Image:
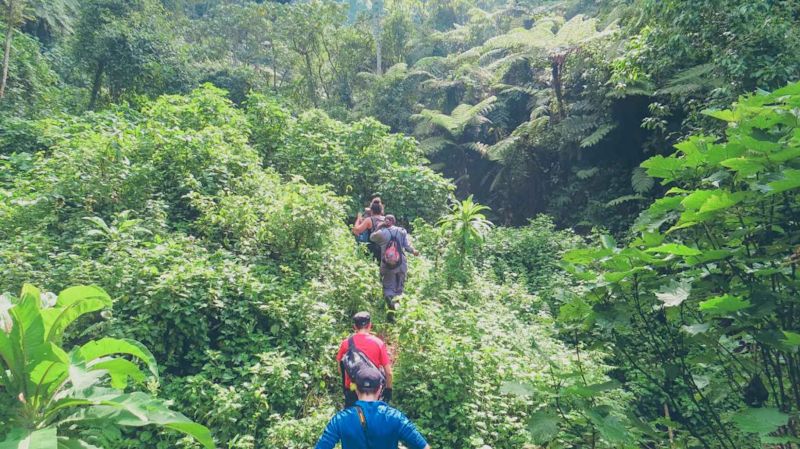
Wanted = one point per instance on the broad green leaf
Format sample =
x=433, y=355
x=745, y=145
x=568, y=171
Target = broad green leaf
x=71, y=304
x=696, y=199
x=724, y=304
x=674, y=293
x=586, y=255
x=120, y=370
x=744, y=166
x=721, y=201
x=695, y=329
x=140, y=409
x=791, y=338
x=674, y=248
x=662, y=167
x=760, y=420
x=608, y=241
x=778, y=440
x=26, y=439
x=111, y=346
x=74, y=443
x=610, y=427
x=726, y=115
x=790, y=181
x=543, y=427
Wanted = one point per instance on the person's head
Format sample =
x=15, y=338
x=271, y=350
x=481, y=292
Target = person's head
x=390, y=220
x=369, y=384
x=376, y=206
x=362, y=320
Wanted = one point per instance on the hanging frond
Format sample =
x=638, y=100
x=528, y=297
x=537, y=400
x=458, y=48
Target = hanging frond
x=640, y=181
x=433, y=145
x=624, y=199
x=576, y=126
x=598, y=135
x=587, y=173
x=695, y=79
x=456, y=122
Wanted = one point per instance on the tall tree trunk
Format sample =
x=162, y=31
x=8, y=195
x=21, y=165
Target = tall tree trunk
x=7, y=51
x=312, y=88
x=96, y=84
x=377, y=13
x=378, y=50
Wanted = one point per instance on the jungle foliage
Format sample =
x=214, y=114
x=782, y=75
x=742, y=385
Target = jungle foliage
x=199, y=160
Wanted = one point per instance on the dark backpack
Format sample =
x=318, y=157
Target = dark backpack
x=355, y=361
x=393, y=254
x=364, y=236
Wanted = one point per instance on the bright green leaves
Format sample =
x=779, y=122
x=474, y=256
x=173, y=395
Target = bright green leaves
x=790, y=181
x=760, y=420
x=71, y=304
x=109, y=346
x=675, y=249
x=37, y=439
x=46, y=382
x=674, y=293
x=710, y=286
x=663, y=167
x=725, y=304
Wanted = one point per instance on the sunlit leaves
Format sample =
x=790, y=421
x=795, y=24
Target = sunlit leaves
x=674, y=293
x=675, y=249
x=725, y=304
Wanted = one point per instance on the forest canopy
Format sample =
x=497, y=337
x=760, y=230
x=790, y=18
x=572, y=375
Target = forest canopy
x=604, y=195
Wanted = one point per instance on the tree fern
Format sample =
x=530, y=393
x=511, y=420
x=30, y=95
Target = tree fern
x=694, y=79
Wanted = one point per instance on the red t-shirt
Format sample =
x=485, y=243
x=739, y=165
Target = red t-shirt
x=372, y=346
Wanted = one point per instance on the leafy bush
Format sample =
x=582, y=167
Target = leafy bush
x=65, y=398
x=529, y=255
x=355, y=160
x=701, y=307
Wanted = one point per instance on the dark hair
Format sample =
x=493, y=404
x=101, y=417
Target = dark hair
x=376, y=206
x=361, y=320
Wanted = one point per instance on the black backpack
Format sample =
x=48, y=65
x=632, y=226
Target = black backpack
x=355, y=361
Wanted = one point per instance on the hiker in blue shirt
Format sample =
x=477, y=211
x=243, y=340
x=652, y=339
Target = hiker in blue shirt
x=370, y=423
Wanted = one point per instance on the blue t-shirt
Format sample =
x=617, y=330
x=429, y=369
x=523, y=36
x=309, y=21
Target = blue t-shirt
x=386, y=427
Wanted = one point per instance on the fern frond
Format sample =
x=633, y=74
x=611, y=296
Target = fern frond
x=640, y=181
x=433, y=145
x=598, y=135
x=624, y=199
x=694, y=79
x=587, y=173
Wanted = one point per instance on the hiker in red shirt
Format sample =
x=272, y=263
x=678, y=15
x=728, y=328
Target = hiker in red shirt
x=374, y=348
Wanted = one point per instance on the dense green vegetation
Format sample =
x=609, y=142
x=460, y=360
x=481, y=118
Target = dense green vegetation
x=604, y=194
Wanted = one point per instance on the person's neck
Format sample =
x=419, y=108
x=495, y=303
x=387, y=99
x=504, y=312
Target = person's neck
x=368, y=397
x=363, y=331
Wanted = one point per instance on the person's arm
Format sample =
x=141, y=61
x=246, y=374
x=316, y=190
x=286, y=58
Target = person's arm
x=330, y=436
x=389, y=376
x=410, y=436
x=362, y=224
x=409, y=247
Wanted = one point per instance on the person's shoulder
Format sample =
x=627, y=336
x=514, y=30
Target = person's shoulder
x=391, y=412
x=375, y=339
x=344, y=415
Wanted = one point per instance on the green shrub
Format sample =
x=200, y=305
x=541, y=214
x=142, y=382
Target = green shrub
x=69, y=398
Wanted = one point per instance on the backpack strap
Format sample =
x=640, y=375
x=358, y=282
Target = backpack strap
x=351, y=343
x=363, y=419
